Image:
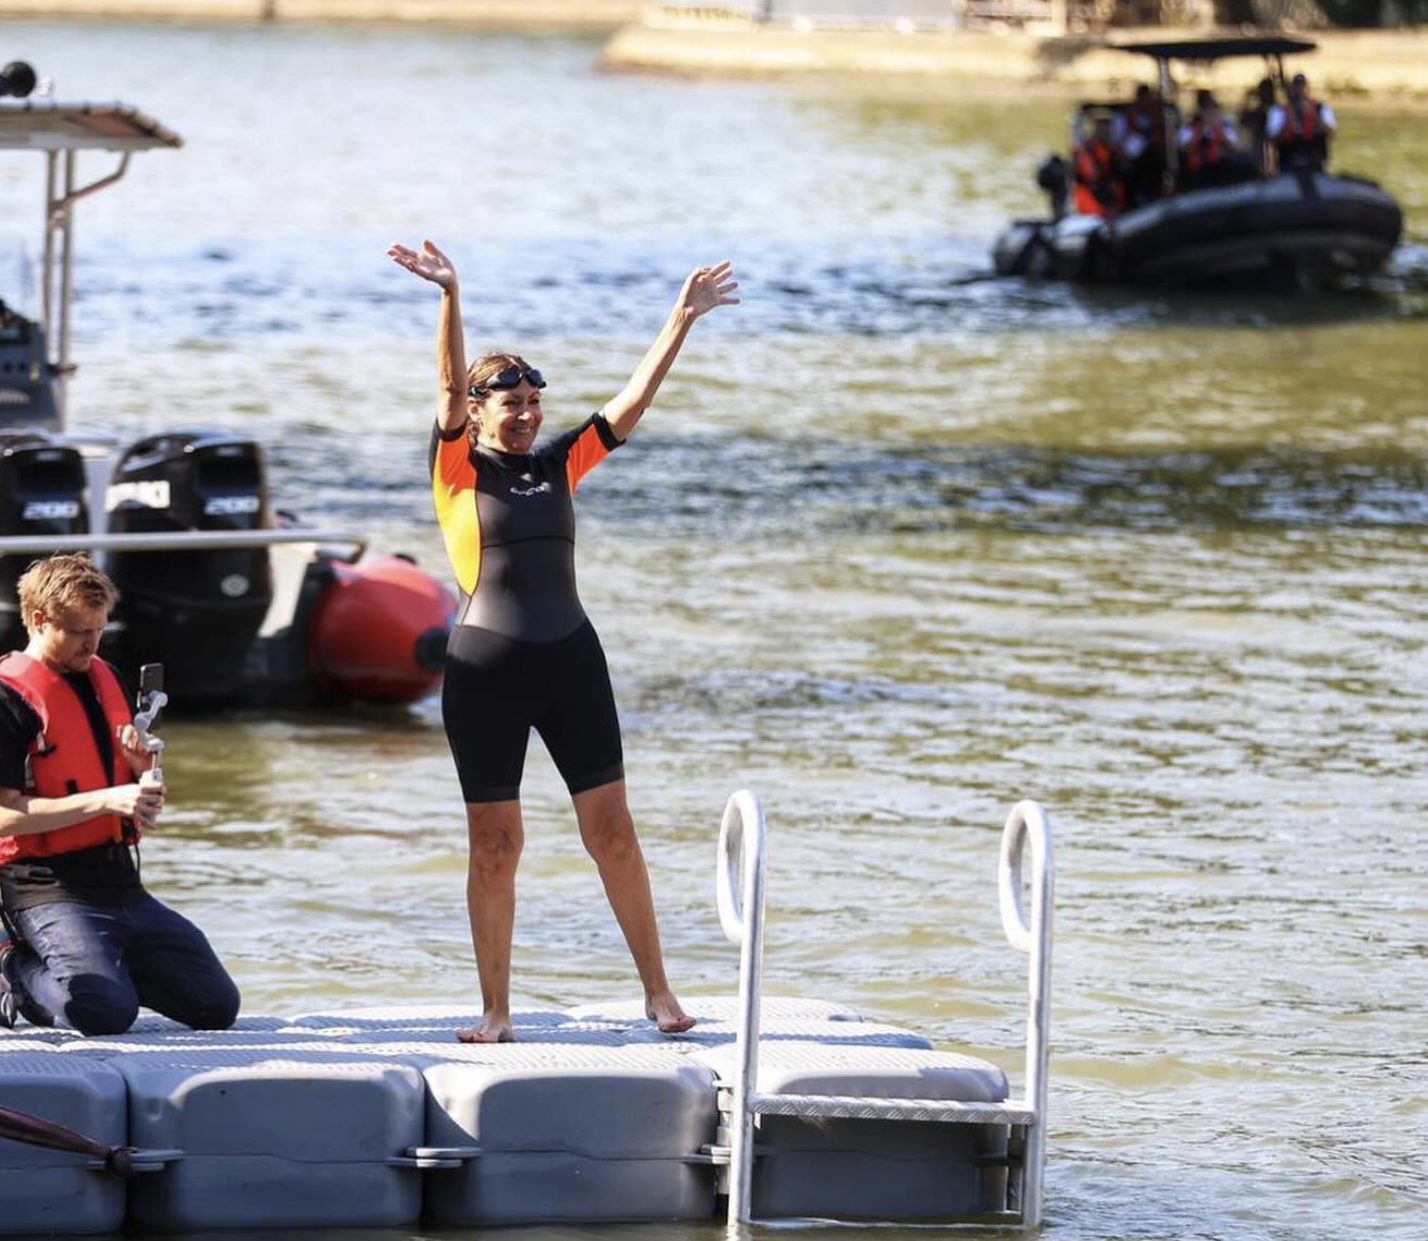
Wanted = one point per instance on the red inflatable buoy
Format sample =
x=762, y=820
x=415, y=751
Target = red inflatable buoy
x=379, y=631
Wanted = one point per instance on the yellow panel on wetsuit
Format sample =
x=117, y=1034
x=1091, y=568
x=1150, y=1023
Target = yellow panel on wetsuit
x=509, y=528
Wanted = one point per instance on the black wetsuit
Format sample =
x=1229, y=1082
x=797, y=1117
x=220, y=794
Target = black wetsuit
x=524, y=654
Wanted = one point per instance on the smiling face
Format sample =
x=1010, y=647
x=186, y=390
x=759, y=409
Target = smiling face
x=508, y=419
x=504, y=402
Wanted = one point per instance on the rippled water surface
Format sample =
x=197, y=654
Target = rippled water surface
x=900, y=545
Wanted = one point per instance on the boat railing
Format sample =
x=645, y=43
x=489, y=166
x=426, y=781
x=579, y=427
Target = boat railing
x=180, y=541
x=741, y=875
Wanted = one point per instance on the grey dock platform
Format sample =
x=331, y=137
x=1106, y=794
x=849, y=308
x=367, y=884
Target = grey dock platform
x=768, y=1108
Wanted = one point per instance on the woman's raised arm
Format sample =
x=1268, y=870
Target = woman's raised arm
x=431, y=264
x=704, y=290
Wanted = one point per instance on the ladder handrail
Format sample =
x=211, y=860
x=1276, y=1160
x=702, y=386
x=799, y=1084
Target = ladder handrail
x=1029, y=823
x=740, y=883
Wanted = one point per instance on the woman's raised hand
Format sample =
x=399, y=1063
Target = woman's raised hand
x=708, y=287
x=429, y=263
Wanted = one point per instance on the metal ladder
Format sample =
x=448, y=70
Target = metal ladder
x=741, y=913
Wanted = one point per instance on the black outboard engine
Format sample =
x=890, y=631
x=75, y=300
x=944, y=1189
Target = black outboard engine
x=196, y=612
x=26, y=395
x=1054, y=176
x=42, y=486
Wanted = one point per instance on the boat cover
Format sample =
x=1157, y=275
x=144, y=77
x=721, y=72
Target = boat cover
x=49, y=125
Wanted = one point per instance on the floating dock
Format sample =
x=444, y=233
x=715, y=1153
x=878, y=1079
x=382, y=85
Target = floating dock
x=769, y=1108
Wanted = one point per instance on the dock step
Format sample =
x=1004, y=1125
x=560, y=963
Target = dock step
x=852, y=1107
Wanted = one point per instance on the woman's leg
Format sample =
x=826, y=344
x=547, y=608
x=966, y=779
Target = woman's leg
x=608, y=830
x=496, y=837
x=480, y=707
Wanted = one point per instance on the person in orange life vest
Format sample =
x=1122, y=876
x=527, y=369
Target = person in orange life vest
x=1208, y=145
x=85, y=943
x=524, y=656
x=1099, y=170
x=1301, y=129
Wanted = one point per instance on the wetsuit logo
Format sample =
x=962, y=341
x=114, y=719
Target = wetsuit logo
x=531, y=491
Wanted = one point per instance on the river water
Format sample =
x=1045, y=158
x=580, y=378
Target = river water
x=899, y=546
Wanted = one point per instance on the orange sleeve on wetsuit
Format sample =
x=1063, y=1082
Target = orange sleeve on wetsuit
x=453, y=488
x=585, y=454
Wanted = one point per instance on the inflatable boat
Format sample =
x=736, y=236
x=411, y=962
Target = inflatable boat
x=240, y=605
x=1302, y=229
x=1295, y=230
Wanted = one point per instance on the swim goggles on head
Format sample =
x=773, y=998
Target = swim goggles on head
x=503, y=381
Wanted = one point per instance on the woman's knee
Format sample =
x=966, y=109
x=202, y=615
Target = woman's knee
x=608, y=830
x=496, y=838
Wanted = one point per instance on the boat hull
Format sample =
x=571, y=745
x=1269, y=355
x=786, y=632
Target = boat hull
x=1296, y=230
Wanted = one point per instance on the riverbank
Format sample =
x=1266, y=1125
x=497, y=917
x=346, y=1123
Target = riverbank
x=593, y=15
x=1370, y=68
x=1348, y=66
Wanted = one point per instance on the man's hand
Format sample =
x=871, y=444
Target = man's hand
x=132, y=747
x=141, y=802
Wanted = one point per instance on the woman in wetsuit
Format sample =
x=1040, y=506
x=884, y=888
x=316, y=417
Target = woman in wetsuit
x=524, y=655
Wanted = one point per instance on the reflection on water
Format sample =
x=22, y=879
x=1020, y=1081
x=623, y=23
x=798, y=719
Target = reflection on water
x=900, y=545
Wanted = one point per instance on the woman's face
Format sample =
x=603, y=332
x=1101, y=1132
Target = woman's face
x=508, y=419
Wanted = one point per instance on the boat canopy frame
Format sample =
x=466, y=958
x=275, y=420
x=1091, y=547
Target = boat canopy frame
x=1273, y=48
x=60, y=131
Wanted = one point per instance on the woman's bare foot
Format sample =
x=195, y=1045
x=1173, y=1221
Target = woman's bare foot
x=494, y=1028
x=665, y=1012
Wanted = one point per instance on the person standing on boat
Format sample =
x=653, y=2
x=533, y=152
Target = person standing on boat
x=1099, y=170
x=86, y=944
x=1301, y=129
x=1141, y=138
x=524, y=655
x=1209, y=147
x=1254, y=123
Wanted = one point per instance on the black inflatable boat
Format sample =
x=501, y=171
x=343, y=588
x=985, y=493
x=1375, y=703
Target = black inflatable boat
x=1304, y=229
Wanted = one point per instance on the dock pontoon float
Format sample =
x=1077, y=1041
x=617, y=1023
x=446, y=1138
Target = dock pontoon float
x=770, y=1108
x=238, y=606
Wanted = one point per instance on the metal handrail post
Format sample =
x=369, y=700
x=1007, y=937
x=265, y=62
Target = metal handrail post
x=66, y=281
x=47, y=292
x=741, y=913
x=1029, y=822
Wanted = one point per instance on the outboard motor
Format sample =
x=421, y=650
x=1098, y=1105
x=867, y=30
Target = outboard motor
x=26, y=394
x=196, y=612
x=42, y=487
x=1054, y=176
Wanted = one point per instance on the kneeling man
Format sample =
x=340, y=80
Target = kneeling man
x=86, y=944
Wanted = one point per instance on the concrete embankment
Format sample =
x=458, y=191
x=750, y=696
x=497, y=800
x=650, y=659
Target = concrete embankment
x=1375, y=67
x=600, y=15
x=1380, y=66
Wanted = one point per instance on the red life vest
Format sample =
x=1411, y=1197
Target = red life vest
x=1098, y=171
x=64, y=758
x=1301, y=126
x=1206, y=147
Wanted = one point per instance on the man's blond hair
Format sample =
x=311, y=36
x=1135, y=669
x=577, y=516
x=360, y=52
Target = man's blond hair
x=64, y=583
